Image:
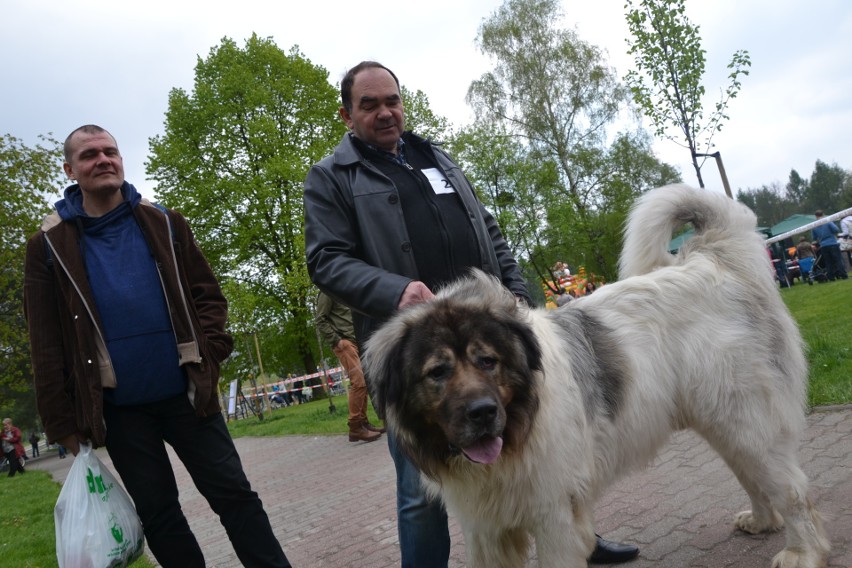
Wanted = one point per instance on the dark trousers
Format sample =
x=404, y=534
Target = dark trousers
x=834, y=262
x=14, y=463
x=136, y=437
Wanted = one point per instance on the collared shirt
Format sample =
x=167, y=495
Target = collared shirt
x=399, y=157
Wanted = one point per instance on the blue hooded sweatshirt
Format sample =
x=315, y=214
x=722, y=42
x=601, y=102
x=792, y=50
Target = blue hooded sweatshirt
x=130, y=301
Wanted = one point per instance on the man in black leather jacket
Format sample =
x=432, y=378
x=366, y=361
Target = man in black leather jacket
x=389, y=219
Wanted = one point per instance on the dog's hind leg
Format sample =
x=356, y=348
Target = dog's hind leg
x=498, y=549
x=778, y=490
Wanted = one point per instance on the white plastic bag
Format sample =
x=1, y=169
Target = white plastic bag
x=96, y=524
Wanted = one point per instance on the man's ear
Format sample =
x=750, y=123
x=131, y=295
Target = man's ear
x=68, y=170
x=347, y=118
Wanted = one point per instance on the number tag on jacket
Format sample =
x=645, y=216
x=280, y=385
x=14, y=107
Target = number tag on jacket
x=440, y=184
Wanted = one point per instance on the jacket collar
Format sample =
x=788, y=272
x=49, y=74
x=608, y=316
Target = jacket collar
x=347, y=153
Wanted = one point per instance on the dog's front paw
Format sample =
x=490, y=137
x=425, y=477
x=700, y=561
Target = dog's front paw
x=798, y=559
x=746, y=521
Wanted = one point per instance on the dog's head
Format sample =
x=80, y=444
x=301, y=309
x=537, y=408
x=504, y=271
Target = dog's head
x=456, y=374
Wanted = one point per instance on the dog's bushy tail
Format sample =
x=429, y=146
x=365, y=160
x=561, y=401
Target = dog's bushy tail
x=723, y=227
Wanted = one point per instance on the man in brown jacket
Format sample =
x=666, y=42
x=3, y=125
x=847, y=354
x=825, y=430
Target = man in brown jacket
x=127, y=331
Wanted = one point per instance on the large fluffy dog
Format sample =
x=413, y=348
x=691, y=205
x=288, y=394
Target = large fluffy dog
x=519, y=418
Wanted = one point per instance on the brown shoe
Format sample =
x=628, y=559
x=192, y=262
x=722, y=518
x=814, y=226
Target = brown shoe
x=371, y=428
x=361, y=434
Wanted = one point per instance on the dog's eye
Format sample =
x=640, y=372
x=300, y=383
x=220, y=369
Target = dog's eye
x=486, y=363
x=439, y=373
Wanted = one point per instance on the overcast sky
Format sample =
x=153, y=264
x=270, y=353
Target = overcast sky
x=66, y=63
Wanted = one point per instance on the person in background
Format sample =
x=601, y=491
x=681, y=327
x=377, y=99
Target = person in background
x=297, y=392
x=845, y=240
x=805, y=252
x=127, y=332
x=34, y=439
x=826, y=235
x=12, y=448
x=389, y=219
x=334, y=322
x=804, y=249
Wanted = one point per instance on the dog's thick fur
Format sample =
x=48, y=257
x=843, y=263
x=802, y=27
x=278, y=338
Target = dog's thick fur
x=581, y=394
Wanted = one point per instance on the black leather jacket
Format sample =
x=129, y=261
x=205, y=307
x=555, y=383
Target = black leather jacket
x=356, y=242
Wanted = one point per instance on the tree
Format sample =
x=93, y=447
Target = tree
x=513, y=185
x=768, y=203
x=556, y=95
x=420, y=119
x=796, y=188
x=27, y=176
x=233, y=158
x=666, y=84
x=826, y=188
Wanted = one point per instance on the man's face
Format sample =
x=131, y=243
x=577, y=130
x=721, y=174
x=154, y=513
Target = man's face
x=95, y=163
x=377, y=115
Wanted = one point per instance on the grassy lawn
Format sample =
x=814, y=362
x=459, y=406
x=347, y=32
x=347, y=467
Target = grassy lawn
x=26, y=516
x=313, y=418
x=824, y=314
x=26, y=519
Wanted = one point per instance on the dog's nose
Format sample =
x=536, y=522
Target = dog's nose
x=481, y=411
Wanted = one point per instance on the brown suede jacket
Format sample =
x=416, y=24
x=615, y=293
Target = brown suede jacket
x=70, y=360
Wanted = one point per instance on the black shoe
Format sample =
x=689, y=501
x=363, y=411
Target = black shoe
x=608, y=552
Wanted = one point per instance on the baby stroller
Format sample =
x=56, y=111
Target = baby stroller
x=819, y=272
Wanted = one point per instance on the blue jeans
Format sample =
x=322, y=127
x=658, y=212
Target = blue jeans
x=136, y=442
x=424, y=536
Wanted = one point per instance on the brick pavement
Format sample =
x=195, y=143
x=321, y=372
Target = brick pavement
x=332, y=503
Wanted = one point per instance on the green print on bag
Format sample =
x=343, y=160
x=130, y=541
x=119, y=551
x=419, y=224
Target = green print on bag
x=117, y=532
x=97, y=485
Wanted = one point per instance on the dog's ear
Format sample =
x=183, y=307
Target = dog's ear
x=528, y=341
x=383, y=369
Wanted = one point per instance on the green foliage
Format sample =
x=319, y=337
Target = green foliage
x=797, y=188
x=666, y=83
x=561, y=194
x=233, y=159
x=768, y=203
x=828, y=189
x=27, y=176
x=512, y=184
x=420, y=119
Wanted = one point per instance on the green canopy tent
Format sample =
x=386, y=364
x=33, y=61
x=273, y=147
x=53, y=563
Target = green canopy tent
x=678, y=241
x=791, y=223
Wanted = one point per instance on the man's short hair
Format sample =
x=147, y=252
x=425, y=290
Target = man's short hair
x=818, y=213
x=349, y=80
x=86, y=128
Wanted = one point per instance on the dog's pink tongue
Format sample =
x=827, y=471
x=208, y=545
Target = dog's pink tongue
x=485, y=450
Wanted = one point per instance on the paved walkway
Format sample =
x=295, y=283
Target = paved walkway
x=332, y=503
